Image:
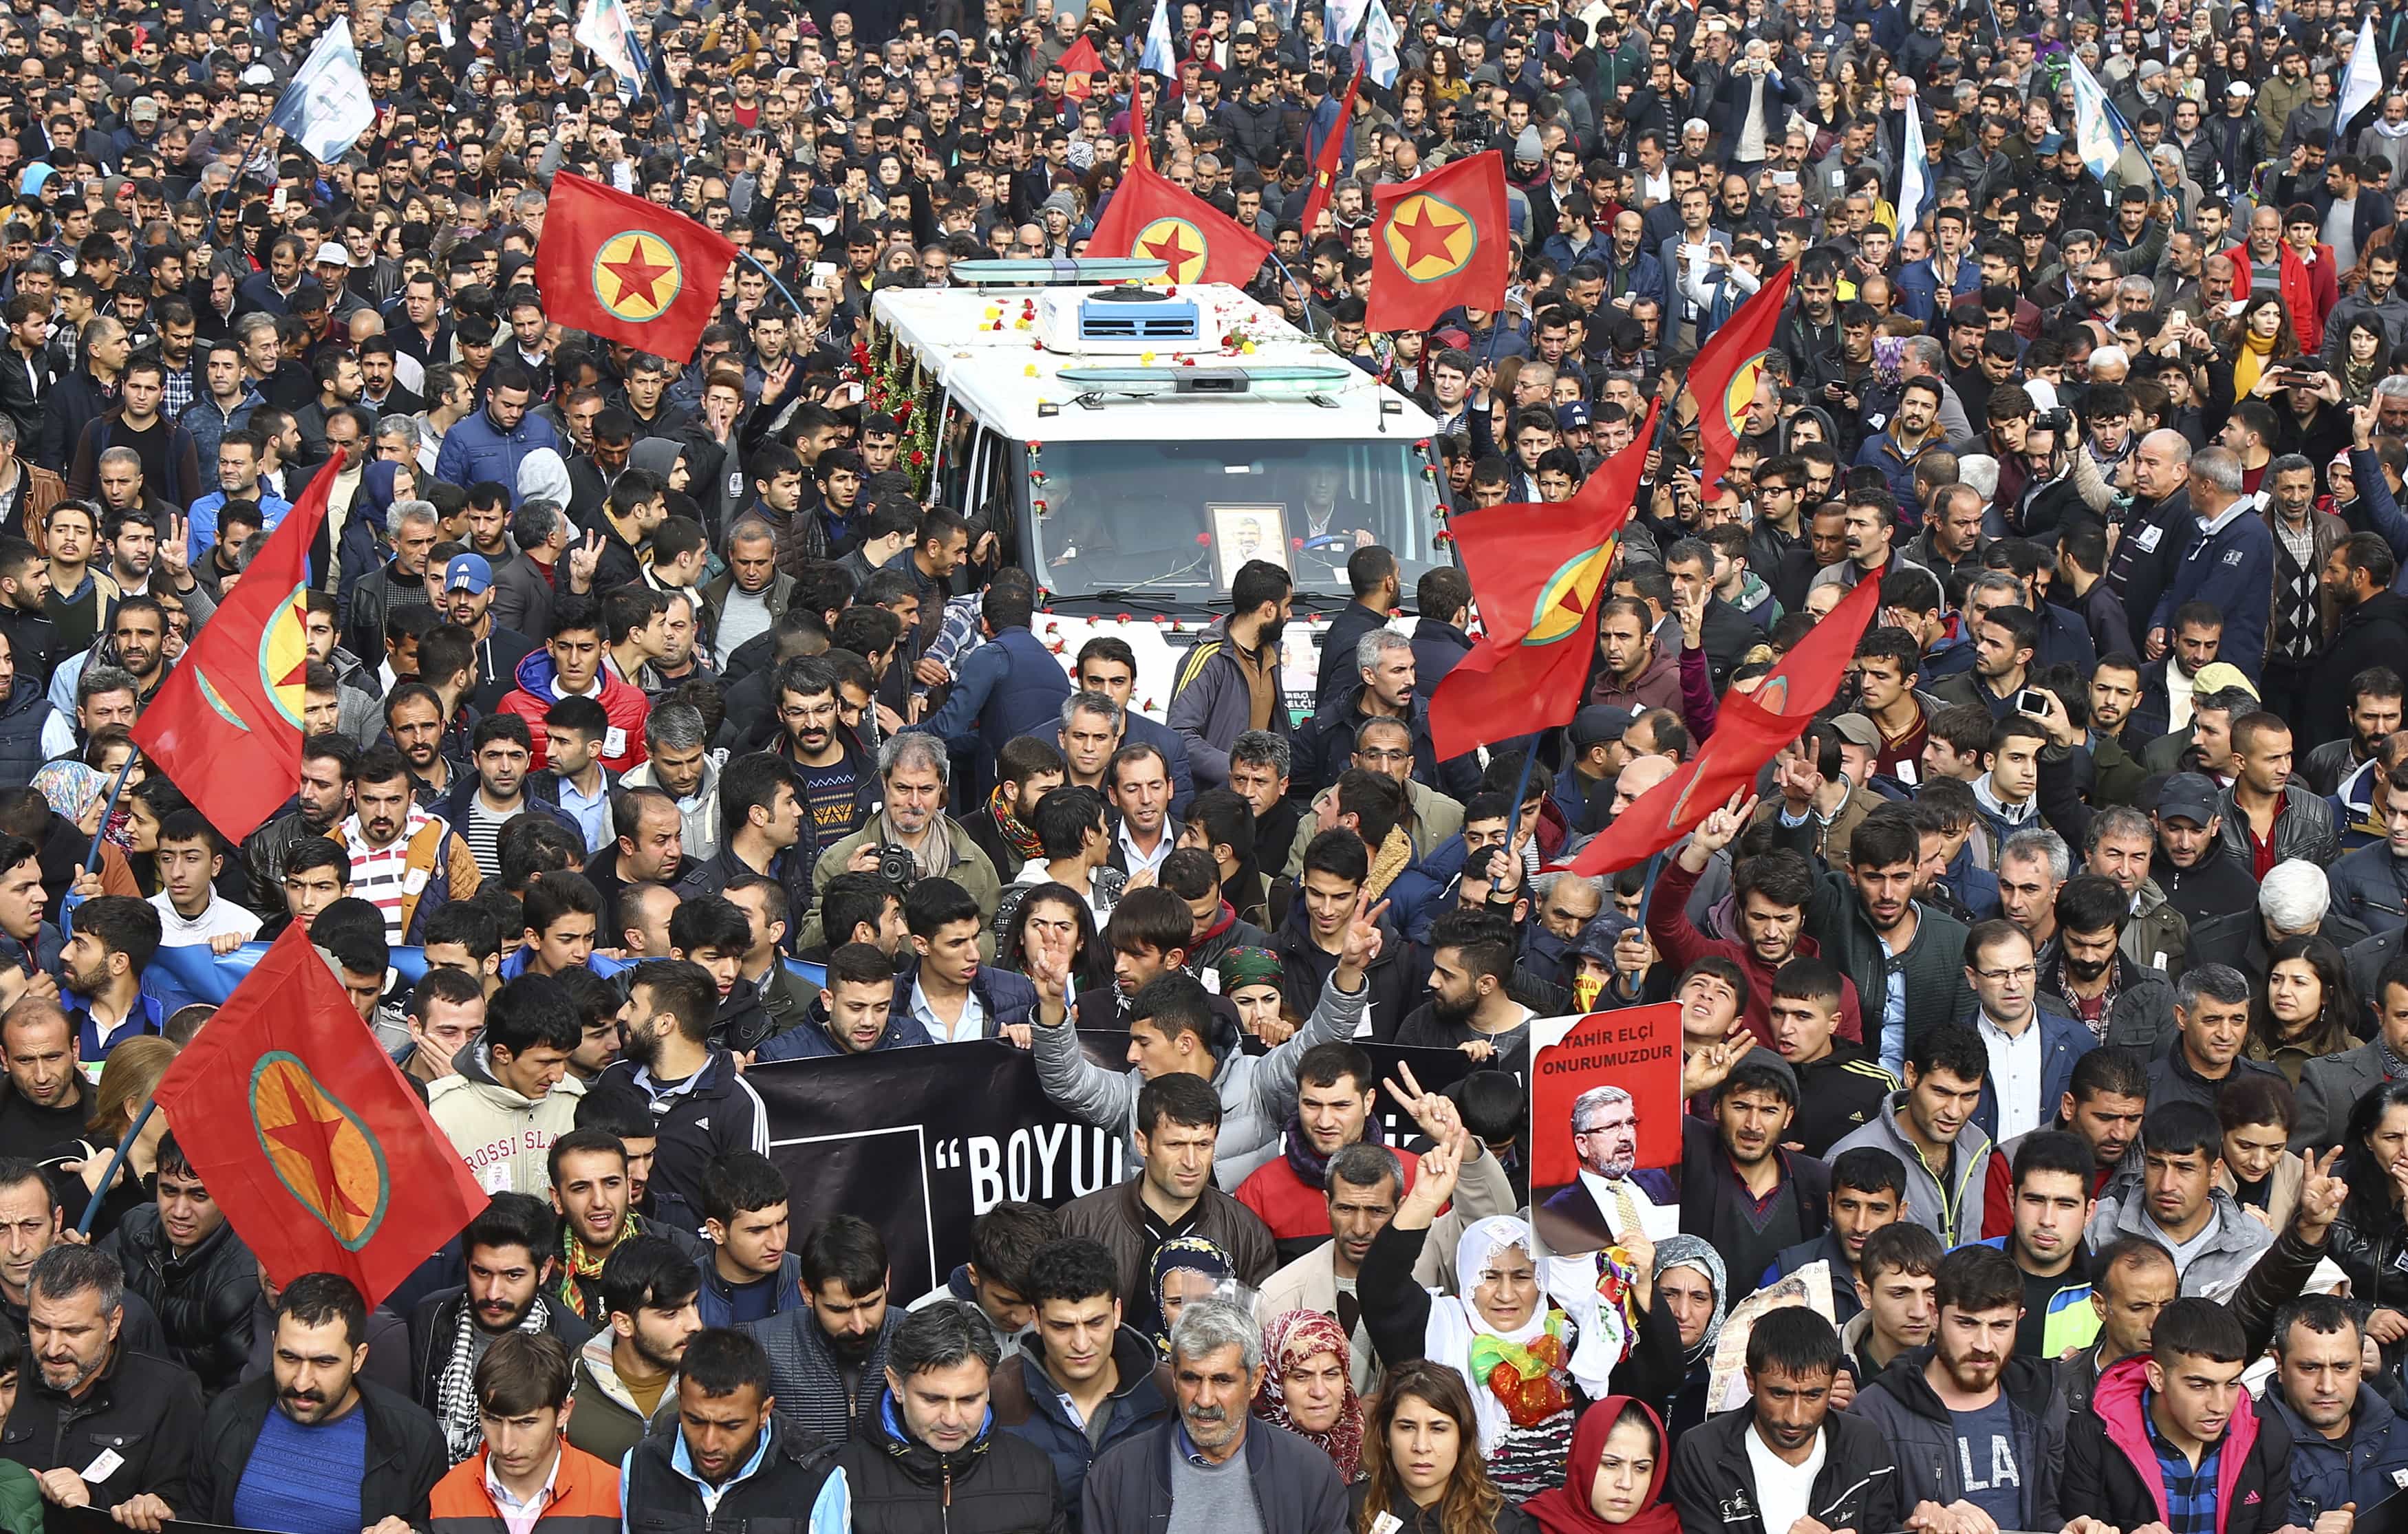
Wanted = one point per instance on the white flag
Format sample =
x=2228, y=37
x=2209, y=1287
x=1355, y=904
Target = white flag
x=327, y=107
x=603, y=27
x=1375, y=50
x=2362, y=84
x=1339, y=18
x=2098, y=130
x=1158, y=58
x=1913, y=175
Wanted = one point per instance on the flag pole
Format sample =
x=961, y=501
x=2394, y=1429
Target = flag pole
x=774, y=282
x=117, y=1159
x=91, y=857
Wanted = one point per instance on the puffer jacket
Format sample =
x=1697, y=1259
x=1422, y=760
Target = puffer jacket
x=996, y=1484
x=203, y=1296
x=1028, y=1405
x=504, y=1138
x=2217, y=1267
x=2111, y=1468
x=539, y=688
x=476, y=449
x=2362, y=1466
x=2369, y=886
x=1923, y=1437
x=21, y=720
x=807, y=1375
x=1257, y=1092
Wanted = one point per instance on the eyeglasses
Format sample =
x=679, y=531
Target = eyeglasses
x=2000, y=977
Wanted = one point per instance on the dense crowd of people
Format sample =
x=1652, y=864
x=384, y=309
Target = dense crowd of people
x=2044, y=1012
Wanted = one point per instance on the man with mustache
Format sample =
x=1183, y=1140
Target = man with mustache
x=509, y=1253
x=1968, y=1416
x=84, y=1374
x=827, y=1357
x=313, y=1390
x=2177, y=1204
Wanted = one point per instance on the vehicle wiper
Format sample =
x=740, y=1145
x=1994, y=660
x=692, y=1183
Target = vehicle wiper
x=1133, y=598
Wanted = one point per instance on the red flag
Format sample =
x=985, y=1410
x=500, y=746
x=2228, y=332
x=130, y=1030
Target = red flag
x=1325, y=165
x=1748, y=731
x=1148, y=216
x=227, y=725
x=1079, y=62
x=1537, y=573
x=1722, y=377
x=625, y=269
x=1439, y=241
x=319, y=1152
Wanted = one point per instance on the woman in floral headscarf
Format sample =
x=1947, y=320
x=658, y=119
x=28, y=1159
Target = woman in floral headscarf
x=1185, y=1267
x=1526, y=1333
x=1309, y=1388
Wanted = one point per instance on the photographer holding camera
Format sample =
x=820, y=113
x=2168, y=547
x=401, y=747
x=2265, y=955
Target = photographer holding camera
x=911, y=821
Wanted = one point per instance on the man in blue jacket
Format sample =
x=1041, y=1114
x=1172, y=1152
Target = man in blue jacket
x=1079, y=1363
x=1007, y=687
x=2230, y=566
x=2347, y=1445
x=491, y=444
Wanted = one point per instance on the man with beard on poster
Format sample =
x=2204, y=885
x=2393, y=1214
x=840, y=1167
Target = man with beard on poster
x=1607, y=1197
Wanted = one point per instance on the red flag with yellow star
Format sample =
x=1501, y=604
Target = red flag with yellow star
x=1437, y=242
x=1538, y=574
x=621, y=267
x=226, y=726
x=306, y=1135
x=1149, y=216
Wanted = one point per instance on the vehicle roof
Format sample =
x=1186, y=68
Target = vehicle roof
x=1004, y=374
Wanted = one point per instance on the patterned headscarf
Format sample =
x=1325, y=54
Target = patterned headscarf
x=1304, y=1334
x=73, y=789
x=1191, y=1254
x=1695, y=1251
x=1241, y=967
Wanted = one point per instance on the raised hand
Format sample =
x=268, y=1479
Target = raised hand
x=1439, y=1166
x=174, y=549
x=583, y=562
x=2321, y=1196
x=1362, y=941
x=1723, y=825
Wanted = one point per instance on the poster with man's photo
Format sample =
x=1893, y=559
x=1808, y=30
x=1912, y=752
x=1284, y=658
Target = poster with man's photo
x=1605, y=1123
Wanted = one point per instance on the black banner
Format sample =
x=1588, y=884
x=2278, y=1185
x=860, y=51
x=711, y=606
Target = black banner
x=921, y=1141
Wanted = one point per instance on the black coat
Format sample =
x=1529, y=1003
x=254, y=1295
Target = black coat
x=403, y=1460
x=1338, y=642
x=2372, y=633
x=2103, y=1479
x=1715, y=1487
x=204, y=1296
x=149, y=1410
x=435, y=1320
x=999, y=1485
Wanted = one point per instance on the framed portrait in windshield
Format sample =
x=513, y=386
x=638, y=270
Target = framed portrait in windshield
x=1241, y=533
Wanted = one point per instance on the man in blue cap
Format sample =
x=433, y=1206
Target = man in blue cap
x=468, y=602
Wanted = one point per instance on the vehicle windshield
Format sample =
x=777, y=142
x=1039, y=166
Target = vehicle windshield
x=1180, y=518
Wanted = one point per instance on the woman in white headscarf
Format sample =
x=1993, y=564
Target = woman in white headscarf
x=1526, y=1333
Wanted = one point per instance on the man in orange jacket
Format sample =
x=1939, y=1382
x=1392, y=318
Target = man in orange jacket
x=526, y=1476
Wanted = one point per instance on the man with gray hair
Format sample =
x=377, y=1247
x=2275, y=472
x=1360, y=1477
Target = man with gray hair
x=1608, y=1198
x=2294, y=900
x=2230, y=566
x=932, y=1443
x=524, y=588
x=80, y=1376
x=2032, y=864
x=912, y=773
x=412, y=526
x=1383, y=689
x=2156, y=530
x=2212, y=1022
x=1226, y=1471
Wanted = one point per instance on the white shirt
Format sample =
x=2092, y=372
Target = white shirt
x=1655, y=1222
x=1783, y=1491
x=1134, y=858
x=2015, y=1074
x=223, y=916
x=972, y=1024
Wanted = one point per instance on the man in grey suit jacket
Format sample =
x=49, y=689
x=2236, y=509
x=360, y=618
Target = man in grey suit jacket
x=2330, y=1087
x=523, y=589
